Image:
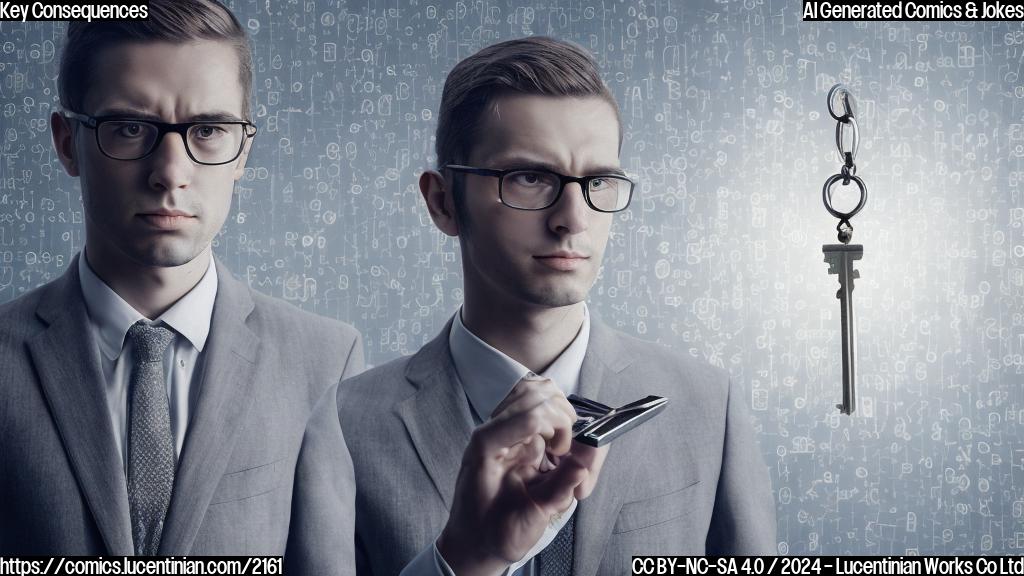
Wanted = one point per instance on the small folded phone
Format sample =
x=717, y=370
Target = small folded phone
x=598, y=424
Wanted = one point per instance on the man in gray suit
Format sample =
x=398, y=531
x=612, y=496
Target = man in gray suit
x=150, y=403
x=462, y=454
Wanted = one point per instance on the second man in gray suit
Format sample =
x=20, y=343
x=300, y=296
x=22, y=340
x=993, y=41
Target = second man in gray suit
x=462, y=454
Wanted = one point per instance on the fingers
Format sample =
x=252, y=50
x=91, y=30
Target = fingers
x=554, y=490
x=533, y=408
x=529, y=453
x=592, y=459
x=524, y=385
x=561, y=441
x=529, y=392
x=497, y=438
x=586, y=455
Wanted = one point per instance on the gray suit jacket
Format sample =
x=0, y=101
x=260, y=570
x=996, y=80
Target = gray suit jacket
x=690, y=482
x=263, y=470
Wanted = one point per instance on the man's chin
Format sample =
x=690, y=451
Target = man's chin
x=163, y=256
x=555, y=296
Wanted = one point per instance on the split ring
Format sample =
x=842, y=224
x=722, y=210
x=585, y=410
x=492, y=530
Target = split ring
x=826, y=196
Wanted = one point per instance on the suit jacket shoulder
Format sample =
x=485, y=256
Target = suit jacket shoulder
x=653, y=368
x=18, y=317
x=318, y=341
x=377, y=389
x=18, y=324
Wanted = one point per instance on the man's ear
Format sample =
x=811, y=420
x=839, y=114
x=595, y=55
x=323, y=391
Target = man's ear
x=240, y=163
x=64, y=142
x=440, y=203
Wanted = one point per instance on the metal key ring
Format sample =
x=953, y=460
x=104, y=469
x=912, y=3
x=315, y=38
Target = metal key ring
x=826, y=196
x=848, y=102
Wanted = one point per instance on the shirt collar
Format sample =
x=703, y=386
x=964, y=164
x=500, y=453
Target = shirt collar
x=488, y=374
x=190, y=316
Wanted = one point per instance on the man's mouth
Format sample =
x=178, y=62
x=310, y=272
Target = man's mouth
x=167, y=219
x=562, y=260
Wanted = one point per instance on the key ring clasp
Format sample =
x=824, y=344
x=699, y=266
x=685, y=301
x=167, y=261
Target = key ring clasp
x=848, y=101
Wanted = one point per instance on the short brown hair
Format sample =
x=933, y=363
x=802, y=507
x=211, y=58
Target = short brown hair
x=174, y=21
x=535, y=65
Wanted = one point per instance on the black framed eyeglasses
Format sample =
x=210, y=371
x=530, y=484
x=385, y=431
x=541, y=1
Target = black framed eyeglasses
x=210, y=143
x=537, y=188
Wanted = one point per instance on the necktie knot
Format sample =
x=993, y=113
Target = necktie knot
x=149, y=341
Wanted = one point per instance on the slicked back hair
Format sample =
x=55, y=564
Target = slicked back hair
x=537, y=65
x=173, y=21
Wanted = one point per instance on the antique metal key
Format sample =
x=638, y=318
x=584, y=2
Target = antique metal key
x=841, y=257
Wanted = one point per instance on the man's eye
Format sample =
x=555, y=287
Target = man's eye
x=598, y=183
x=130, y=130
x=527, y=178
x=209, y=131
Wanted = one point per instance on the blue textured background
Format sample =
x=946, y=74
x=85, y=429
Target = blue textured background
x=720, y=254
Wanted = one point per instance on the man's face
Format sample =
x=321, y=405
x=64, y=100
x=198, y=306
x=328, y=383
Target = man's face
x=162, y=210
x=547, y=258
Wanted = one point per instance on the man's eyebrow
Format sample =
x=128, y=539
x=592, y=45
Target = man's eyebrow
x=128, y=113
x=215, y=116
x=530, y=163
x=608, y=170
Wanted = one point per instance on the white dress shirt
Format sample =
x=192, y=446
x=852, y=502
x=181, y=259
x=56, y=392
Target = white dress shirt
x=110, y=317
x=487, y=375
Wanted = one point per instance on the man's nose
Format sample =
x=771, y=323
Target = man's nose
x=172, y=166
x=570, y=214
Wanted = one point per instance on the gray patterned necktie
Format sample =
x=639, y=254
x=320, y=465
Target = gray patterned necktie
x=151, y=456
x=556, y=559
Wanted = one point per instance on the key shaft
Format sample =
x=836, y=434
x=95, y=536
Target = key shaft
x=840, y=258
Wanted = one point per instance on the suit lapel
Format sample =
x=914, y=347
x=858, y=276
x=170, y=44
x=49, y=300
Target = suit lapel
x=437, y=416
x=601, y=380
x=224, y=399
x=65, y=358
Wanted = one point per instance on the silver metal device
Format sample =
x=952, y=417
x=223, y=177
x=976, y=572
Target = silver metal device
x=598, y=424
